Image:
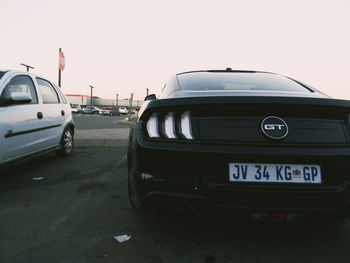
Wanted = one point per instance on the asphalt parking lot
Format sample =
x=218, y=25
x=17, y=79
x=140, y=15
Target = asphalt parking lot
x=72, y=214
x=101, y=131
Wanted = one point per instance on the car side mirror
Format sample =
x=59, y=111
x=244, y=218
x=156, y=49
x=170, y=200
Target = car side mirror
x=151, y=97
x=20, y=97
x=15, y=98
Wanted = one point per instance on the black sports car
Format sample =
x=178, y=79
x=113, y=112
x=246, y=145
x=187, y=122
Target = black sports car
x=250, y=140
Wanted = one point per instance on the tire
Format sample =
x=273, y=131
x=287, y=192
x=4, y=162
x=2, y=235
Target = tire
x=132, y=194
x=67, y=143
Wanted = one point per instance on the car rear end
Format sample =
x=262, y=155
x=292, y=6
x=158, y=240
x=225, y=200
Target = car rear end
x=199, y=144
x=216, y=149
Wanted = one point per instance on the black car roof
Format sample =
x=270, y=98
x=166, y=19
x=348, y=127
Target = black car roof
x=227, y=70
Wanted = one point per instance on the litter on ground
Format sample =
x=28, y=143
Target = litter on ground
x=122, y=238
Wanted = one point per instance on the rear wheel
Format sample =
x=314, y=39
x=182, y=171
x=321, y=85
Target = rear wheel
x=67, y=143
x=131, y=191
x=132, y=187
x=131, y=195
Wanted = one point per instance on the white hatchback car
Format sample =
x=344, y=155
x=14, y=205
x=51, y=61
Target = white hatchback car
x=35, y=117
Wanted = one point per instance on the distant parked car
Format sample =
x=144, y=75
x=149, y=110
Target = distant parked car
x=87, y=110
x=115, y=111
x=95, y=110
x=35, y=117
x=123, y=110
x=75, y=108
x=90, y=110
x=104, y=111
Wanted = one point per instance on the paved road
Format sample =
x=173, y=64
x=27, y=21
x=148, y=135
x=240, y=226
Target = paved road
x=101, y=131
x=95, y=122
x=72, y=215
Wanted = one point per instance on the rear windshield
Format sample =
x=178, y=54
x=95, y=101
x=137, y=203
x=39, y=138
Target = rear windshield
x=238, y=81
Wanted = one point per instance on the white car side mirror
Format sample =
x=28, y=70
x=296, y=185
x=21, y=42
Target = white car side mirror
x=20, y=97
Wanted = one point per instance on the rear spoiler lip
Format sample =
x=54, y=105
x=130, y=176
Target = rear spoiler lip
x=187, y=102
x=321, y=102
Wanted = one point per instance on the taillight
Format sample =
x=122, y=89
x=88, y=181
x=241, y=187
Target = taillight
x=152, y=126
x=186, y=127
x=169, y=126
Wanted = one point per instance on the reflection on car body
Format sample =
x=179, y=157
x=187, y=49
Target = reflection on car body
x=35, y=117
x=253, y=141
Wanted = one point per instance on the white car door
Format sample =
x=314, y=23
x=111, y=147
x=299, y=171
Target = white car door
x=21, y=128
x=54, y=112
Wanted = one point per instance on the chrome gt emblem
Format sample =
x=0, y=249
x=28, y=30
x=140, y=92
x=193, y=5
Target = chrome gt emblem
x=274, y=127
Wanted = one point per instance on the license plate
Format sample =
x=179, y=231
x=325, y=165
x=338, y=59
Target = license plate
x=275, y=173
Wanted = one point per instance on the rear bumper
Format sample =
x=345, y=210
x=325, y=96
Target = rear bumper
x=252, y=201
x=201, y=178
x=174, y=189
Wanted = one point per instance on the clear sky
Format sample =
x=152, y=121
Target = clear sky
x=128, y=46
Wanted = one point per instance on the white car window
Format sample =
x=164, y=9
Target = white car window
x=63, y=98
x=20, y=83
x=48, y=93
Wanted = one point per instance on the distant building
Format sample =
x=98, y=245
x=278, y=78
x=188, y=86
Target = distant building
x=86, y=100
x=78, y=99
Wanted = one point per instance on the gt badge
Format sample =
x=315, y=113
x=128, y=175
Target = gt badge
x=274, y=127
